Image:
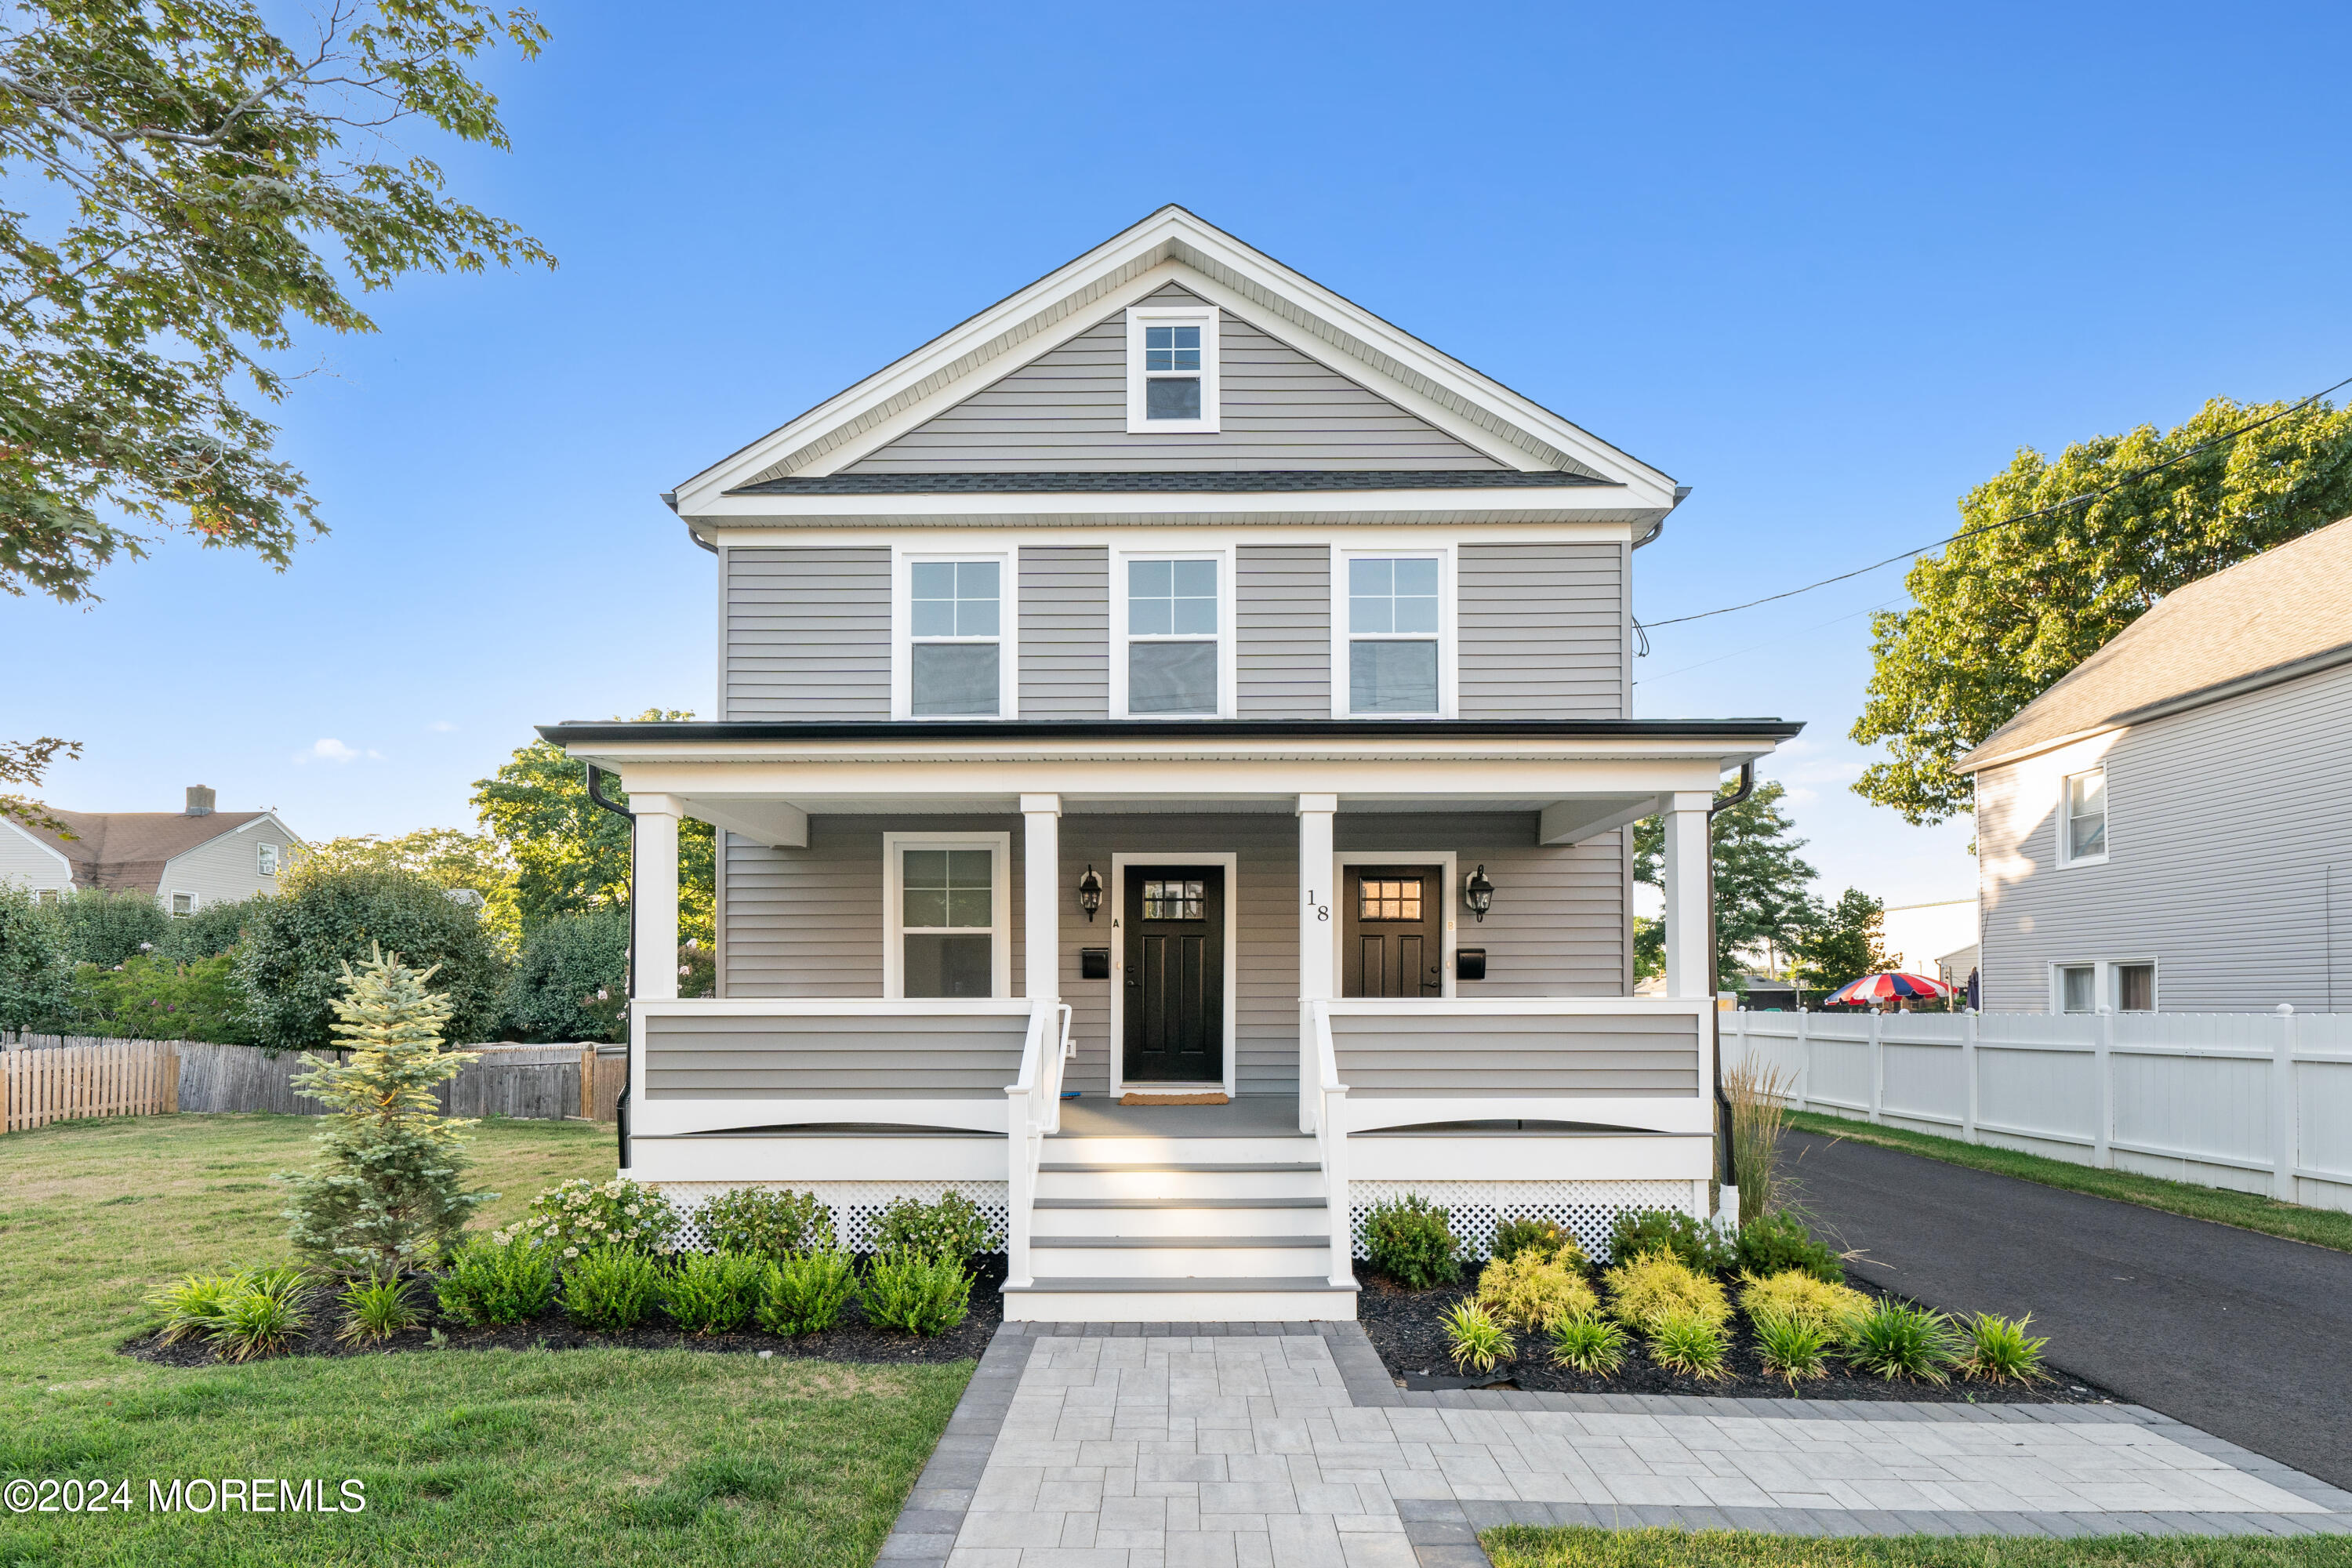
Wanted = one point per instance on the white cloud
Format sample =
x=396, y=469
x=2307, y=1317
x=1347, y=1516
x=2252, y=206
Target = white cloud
x=327, y=749
x=441, y=726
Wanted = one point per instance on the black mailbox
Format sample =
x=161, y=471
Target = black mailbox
x=1094, y=964
x=1469, y=963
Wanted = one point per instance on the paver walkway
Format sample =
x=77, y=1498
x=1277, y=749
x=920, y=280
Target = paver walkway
x=1290, y=1446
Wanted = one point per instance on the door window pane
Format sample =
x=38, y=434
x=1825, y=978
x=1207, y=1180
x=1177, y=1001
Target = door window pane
x=1392, y=677
x=2136, y=988
x=2077, y=986
x=949, y=679
x=1389, y=899
x=1172, y=677
x=1174, y=900
x=2086, y=815
x=937, y=964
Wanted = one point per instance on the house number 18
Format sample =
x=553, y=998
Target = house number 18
x=1322, y=912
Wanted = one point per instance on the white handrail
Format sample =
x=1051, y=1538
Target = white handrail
x=1330, y=1101
x=1026, y=1100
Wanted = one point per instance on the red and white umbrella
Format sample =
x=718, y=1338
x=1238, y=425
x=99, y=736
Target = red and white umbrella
x=1888, y=986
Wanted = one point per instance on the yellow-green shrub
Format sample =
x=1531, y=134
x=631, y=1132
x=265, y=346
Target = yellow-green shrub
x=1797, y=1294
x=1532, y=1289
x=1656, y=1285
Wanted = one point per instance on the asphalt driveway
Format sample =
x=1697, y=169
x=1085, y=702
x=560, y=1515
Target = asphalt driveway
x=2245, y=1335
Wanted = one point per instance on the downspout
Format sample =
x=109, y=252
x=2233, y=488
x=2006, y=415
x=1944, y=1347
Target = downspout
x=621, y=1106
x=1730, y=1176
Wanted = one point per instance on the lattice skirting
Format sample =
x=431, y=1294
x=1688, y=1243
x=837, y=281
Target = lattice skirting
x=1584, y=1209
x=855, y=1206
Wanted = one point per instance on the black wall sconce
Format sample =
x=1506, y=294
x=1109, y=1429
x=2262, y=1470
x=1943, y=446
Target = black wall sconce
x=1090, y=894
x=1478, y=893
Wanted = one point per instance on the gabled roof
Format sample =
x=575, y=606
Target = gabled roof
x=1246, y=283
x=2284, y=614
x=128, y=849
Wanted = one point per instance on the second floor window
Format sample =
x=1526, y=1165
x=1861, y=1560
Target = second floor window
x=955, y=635
x=1392, y=634
x=264, y=859
x=1171, y=638
x=2083, y=831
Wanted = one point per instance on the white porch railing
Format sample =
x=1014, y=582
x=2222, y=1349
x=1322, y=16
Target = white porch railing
x=1323, y=1102
x=1033, y=1112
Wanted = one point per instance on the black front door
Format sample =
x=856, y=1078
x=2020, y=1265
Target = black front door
x=1395, y=936
x=1175, y=980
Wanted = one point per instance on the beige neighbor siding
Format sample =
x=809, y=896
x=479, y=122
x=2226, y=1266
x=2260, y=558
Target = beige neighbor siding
x=224, y=869
x=1282, y=631
x=2226, y=828
x=1065, y=631
x=26, y=862
x=808, y=922
x=807, y=634
x=1543, y=631
x=1066, y=411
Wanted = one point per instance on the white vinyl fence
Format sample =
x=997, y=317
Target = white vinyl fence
x=2258, y=1102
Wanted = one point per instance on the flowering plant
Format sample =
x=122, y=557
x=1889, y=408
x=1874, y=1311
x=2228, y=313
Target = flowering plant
x=580, y=1215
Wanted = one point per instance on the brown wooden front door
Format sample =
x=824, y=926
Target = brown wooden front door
x=1393, y=938
x=1175, y=1011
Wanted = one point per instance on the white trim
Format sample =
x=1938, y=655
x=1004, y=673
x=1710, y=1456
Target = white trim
x=1228, y=683
x=2065, y=818
x=1598, y=513
x=171, y=902
x=1145, y=315
x=1448, y=890
x=271, y=851
x=1006, y=554
x=1447, y=556
x=2114, y=982
x=2058, y=968
x=1000, y=911
x=1119, y=861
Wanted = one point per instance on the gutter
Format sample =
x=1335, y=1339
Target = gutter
x=621, y=1106
x=1659, y=526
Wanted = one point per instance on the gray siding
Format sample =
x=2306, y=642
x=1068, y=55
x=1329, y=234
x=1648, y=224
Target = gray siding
x=1066, y=411
x=1065, y=631
x=821, y=1058
x=2229, y=863
x=1543, y=631
x=224, y=869
x=1636, y=1057
x=807, y=634
x=1282, y=631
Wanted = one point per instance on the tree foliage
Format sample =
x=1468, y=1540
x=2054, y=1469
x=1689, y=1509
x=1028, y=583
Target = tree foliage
x=296, y=947
x=1761, y=885
x=25, y=762
x=1842, y=942
x=155, y=996
x=448, y=858
x=106, y=926
x=36, y=966
x=189, y=189
x=1997, y=619
x=571, y=981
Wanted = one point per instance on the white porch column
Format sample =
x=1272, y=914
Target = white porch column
x=653, y=915
x=1317, y=898
x=1041, y=899
x=1690, y=968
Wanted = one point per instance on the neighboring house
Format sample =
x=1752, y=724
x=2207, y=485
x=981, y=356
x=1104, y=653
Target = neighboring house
x=1917, y=936
x=185, y=858
x=1177, y=684
x=2170, y=826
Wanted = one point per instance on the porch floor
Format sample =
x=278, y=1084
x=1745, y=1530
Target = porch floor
x=1244, y=1116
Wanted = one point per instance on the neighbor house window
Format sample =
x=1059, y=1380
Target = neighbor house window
x=955, y=634
x=264, y=859
x=1172, y=370
x=2134, y=987
x=1173, y=648
x=1393, y=634
x=183, y=904
x=2084, y=827
x=948, y=904
x=2078, y=988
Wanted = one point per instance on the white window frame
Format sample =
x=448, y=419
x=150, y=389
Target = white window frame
x=1343, y=634
x=264, y=859
x=1119, y=861
x=1228, y=684
x=2106, y=985
x=1000, y=906
x=2058, y=987
x=172, y=904
x=2112, y=982
x=1449, y=894
x=2066, y=856
x=1204, y=317
x=1007, y=639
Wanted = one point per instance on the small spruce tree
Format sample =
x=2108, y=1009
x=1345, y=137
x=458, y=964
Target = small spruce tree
x=386, y=1191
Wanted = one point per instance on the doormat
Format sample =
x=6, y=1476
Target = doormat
x=1214, y=1098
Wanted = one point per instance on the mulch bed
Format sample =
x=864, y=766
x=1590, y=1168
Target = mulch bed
x=1407, y=1327
x=854, y=1340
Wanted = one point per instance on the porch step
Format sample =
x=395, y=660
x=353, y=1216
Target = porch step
x=1277, y=1299
x=1315, y=1284
x=1173, y=1203
x=1222, y=1167
x=1251, y=1243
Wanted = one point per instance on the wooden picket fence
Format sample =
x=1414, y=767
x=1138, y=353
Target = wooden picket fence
x=118, y=1078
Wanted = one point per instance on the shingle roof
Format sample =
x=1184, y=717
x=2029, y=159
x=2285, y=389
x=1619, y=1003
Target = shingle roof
x=127, y=849
x=1214, y=480
x=2286, y=611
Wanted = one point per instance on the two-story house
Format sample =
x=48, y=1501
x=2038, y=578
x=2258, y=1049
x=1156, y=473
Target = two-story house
x=187, y=860
x=1174, y=772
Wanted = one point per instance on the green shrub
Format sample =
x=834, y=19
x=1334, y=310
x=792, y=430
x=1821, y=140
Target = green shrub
x=262, y=1319
x=1689, y=1342
x=712, y=1292
x=952, y=1228
x=1528, y=1233
x=1696, y=1241
x=1777, y=1242
x=193, y=1306
x=805, y=1292
x=297, y=946
x=375, y=1310
x=213, y=931
x=107, y=927
x=914, y=1291
x=1895, y=1340
x=1475, y=1341
x=1795, y=1292
x=760, y=1222
x=611, y=1288
x=1410, y=1241
x=1531, y=1290
x=1998, y=1350
x=580, y=1215
x=1793, y=1345
x=154, y=997
x=571, y=980
x=1658, y=1284
x=1589, y=1343
x=37, y=963
x=490, y=1283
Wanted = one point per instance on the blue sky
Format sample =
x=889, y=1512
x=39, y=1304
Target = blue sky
x=1828, y=266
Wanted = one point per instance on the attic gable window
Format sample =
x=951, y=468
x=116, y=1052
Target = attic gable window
x=1172, y=370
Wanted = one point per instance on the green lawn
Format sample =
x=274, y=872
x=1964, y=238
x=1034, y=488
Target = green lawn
x=578, y=1456
x=2248, y=1211
x=1526, y=1546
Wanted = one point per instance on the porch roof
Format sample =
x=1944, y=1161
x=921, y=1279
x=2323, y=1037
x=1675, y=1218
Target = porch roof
x=578, y=734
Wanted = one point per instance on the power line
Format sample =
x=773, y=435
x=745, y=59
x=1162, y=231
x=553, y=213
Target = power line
x=2082, y=499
